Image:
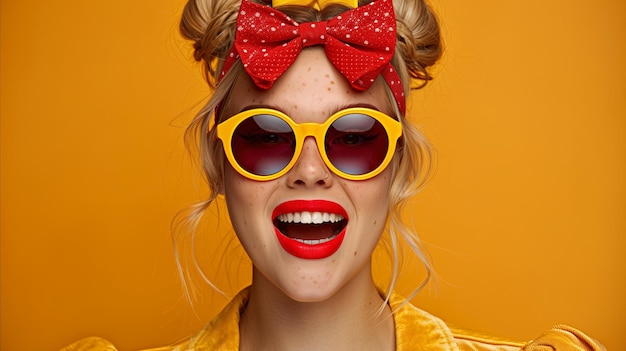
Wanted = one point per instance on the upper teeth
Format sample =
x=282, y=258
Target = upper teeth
x=306, y=217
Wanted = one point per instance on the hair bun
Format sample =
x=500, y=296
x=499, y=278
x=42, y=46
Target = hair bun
x=419, y=38
x=210, y=25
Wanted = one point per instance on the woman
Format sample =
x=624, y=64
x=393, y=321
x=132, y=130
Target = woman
x=306, y=138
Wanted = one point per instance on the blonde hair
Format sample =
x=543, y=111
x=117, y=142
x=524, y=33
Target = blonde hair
x=210, y=25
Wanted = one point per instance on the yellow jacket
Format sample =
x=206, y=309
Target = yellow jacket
x=415, y=330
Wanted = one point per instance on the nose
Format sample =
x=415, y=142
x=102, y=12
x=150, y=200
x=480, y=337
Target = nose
x=310, y=169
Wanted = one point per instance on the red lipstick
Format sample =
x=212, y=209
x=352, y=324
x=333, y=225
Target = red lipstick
x=310, y=229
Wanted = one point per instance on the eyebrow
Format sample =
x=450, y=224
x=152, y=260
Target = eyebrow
x=253, y=106
x=332, y=112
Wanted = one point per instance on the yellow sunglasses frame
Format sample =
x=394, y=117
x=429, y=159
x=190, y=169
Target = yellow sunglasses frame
x=226, y=129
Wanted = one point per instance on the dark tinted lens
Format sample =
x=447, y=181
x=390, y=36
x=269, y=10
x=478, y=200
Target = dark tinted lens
x=356, y=144
x=263, y=144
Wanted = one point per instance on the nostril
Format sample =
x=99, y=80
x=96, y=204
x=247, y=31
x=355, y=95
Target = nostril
x=319, y=182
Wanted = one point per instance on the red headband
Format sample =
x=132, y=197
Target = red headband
x=360, y=43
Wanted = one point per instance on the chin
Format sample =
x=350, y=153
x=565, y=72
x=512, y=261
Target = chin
x=314, y=281
x=310, y=292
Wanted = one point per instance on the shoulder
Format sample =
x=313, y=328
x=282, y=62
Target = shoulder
x=564, y=337
x=94, y=343
x=558, y=338
x=476, y=341
x=416, y=328
x=90, y=344
x=222, y=333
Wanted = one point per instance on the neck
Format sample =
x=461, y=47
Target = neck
x=350, y=319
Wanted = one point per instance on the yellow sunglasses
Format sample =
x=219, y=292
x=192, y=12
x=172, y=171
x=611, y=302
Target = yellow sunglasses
x=264, y=144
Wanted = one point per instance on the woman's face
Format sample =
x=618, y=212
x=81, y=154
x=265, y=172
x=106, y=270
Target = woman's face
x=310, y=91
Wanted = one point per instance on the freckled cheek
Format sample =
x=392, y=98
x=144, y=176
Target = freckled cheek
x=376, y=196
x=246, y=198
x=372, y=199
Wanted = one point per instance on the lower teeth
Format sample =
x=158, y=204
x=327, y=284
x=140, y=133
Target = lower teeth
x=314, y=241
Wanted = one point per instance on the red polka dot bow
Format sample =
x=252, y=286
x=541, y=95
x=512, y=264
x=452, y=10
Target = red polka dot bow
x=360, y=44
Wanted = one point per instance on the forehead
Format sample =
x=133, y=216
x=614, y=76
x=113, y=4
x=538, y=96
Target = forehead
x=312, y=89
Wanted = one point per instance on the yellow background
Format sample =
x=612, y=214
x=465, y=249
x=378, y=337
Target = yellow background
x=525, y=219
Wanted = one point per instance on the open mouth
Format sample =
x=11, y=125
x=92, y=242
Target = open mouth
x=310, y=229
